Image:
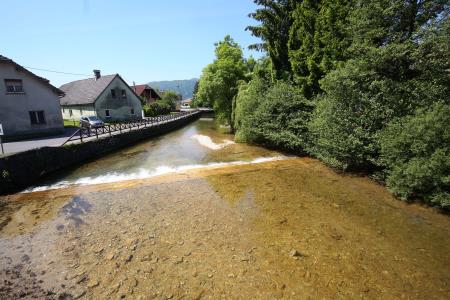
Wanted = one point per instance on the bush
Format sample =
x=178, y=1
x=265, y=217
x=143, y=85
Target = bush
x=344, y=125
x=157, y=108
x=273, y=115
x=247, y=100
x=363, y=96
x=415, y=150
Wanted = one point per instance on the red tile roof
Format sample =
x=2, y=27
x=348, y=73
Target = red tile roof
x=138, y=89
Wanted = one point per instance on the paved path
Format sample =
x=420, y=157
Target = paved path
x=58, y=140
x=50, y=141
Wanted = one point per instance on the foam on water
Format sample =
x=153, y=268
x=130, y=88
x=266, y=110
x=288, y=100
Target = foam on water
x=206, y=141
x=143, y=174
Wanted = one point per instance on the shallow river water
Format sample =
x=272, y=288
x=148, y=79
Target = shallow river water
x=191, y=215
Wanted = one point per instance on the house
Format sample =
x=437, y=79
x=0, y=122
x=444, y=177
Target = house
x=29, y=104
x=108, y=97
x=147, y=93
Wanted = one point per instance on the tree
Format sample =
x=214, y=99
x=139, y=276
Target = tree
x=194, y=93
x=219, y=81
x=382, y=22
x=170, y=98
x=275, y=21
x=318, y=41
x=415, y=150
x=391, y=75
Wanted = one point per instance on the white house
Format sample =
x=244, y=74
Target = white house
x=108, y=97
x=29, y=104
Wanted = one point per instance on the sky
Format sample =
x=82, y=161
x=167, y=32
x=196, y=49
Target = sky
x=141, y=40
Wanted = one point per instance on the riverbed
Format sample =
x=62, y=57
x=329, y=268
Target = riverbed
x=193, y=215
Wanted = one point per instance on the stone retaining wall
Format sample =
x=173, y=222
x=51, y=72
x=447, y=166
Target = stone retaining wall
x=24, y=169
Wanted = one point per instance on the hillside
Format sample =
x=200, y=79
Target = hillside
x=183, y=87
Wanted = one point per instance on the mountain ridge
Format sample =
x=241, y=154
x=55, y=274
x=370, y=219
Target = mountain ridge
x=185, y=87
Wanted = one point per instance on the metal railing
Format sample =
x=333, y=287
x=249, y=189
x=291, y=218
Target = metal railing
x=110, y=129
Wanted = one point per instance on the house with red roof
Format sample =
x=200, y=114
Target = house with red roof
x=146, y=92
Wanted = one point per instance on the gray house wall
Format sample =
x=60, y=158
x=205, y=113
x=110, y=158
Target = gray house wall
x=37, y=96
x=77, y=111
x=120, y=109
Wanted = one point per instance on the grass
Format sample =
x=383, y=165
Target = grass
x=71, y=123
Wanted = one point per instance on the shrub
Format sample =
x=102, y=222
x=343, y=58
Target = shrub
x=363, y=96
x=247, y=100
x=273, y=115
x=344, y=125
x=157, y=108
x=415, y=150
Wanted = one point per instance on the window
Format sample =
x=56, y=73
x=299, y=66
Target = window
x=107, y=114
x=113, y=94
x=70, y=112
x=132, y=111
x=124, y=94
x=37, y=117
x=14, y=86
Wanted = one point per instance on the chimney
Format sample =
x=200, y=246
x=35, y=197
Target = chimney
x=97, y=74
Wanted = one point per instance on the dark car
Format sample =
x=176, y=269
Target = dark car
x=91, y=122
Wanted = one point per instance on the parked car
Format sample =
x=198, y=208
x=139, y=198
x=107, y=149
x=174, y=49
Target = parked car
x=185, y=106
x=91, y=122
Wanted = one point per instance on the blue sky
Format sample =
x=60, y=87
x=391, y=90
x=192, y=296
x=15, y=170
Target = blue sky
x=141, y=40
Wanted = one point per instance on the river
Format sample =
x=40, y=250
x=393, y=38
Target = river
x=193, y=215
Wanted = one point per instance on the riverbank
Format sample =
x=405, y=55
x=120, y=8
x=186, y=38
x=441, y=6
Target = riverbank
x=290, y=228
x=23, y=169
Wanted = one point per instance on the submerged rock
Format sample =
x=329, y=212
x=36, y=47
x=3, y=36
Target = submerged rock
x=296, y=253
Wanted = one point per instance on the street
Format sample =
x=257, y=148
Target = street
x=49, y=141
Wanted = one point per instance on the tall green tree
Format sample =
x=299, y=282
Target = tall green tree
x=218, y=84
x=318, y=41
x=194, y=93
x=395, y=69
x=274, y=17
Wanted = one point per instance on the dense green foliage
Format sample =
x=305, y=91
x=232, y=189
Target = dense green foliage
x=163, y=106
x=170, y=98
x=376, y=86
x=318, y=41
x=361, y=85
x=416, y=154
x=157, y=108
x=275, y=21
x=194, y=94
x=275, y=115
x=218, y=84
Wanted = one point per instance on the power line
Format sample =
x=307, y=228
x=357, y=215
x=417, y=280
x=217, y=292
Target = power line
x=59, y=72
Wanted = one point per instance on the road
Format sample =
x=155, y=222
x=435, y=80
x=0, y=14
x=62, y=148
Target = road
x=51, y=141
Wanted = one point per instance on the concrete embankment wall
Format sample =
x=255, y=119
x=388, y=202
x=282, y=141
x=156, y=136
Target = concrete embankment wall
x=24, y=169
